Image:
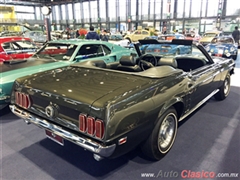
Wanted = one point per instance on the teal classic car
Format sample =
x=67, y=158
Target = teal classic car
x=56, y=54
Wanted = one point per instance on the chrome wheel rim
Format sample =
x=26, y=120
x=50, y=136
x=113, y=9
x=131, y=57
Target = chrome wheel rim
x=167, y=132
x=226, y=86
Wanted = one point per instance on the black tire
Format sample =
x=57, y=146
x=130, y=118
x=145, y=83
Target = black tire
x=224, y=89
x=163, y=135
x=234, y=57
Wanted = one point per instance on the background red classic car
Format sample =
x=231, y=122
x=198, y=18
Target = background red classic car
x=16, y=48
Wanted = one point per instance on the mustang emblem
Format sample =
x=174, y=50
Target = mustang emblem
x=49, y=110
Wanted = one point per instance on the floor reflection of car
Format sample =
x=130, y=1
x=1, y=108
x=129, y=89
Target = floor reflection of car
x=16, y=48
x=118, y=39
x=223, y=46
x=56, y=54
x=208, y=37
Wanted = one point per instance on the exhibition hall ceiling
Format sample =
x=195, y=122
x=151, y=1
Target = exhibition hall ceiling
x=44, y=2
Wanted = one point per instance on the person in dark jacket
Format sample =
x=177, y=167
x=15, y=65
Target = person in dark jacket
x=236, y=35
x=92, y=34
x=104, y=36
x=77, y=33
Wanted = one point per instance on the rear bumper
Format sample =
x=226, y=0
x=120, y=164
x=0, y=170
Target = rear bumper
x=88, y=144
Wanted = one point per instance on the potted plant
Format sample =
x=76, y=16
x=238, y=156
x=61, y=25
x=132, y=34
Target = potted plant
x=82, y=33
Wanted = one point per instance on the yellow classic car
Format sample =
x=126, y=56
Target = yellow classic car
x=208, y=37
x=138, y=34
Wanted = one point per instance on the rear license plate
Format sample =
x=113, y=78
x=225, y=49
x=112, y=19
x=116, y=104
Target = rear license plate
x=56, y=138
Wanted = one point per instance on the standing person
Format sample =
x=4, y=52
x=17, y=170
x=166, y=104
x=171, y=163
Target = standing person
x=104, y=36
x=164, y=31
x=77, y=33
x=236, y=34
x=92, y=34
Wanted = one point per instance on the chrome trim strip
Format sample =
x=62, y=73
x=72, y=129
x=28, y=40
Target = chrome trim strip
x=4, y=97
x=199, y=104
x=88, y=144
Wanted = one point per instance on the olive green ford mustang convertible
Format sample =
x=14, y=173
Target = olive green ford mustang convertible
x=111, y=109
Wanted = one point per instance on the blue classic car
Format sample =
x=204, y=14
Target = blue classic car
x=164, y=48
x=56, y=54
x=223, y=46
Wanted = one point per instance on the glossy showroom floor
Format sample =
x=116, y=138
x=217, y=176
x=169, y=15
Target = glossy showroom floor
x=207, y=143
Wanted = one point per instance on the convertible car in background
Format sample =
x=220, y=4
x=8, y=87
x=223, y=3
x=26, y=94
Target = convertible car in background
x=119, y=40
x=109, y=109
x=223, y=46
x=15, y=47
x=56, y=54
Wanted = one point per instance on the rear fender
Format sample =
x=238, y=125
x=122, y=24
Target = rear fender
x=177, y=103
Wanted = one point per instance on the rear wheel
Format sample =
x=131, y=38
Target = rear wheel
x=163, y=136
x=224, y=89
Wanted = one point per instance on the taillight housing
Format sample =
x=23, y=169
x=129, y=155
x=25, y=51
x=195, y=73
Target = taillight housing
x=91, y=126
x=22, y=100
x=82, y=122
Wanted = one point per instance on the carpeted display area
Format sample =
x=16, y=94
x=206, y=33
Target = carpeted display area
x=207, y=142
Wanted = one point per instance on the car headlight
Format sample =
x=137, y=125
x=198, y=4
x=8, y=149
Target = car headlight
x=228, y=54
x=226, y=51
x=212, y=50
x=232, y=49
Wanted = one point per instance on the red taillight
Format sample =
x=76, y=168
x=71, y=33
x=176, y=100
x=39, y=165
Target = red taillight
x=99, y=128
x=90, y=125
x=82, y=122
x=22, y=100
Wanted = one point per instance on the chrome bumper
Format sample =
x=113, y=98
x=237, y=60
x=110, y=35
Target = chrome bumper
x=103, y=151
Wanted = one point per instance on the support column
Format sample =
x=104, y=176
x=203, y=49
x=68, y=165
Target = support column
x=219, y=14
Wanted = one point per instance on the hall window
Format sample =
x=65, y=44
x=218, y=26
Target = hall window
x=112, y=10
x=212, y=8
x=93, y=5
x=102, y=9
x=70, y=11
x=77, y=12
x=158, y=9
x=196, y=8
x=63, y=12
